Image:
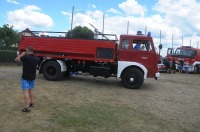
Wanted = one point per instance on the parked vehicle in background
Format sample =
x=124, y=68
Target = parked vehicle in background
x=187, y=54
x=161, y=65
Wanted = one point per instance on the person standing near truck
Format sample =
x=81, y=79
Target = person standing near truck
x=167, y=65
x=29, y=62
x=186, y=66
x=181, y=63
x=170, y=65
x=174, y=66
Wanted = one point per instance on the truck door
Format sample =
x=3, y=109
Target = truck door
x=170, y=52
x=145, y=55
x=124, y=50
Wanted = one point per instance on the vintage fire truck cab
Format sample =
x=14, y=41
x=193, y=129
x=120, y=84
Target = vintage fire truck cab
x=60, y=56
x=145, y=56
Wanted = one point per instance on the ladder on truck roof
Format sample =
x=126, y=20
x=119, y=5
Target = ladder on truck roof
x=111, y=37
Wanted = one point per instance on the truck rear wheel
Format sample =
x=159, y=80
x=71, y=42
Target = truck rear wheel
x=52, y=71
x=132, y=78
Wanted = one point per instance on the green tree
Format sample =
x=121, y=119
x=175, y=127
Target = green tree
x=8, y=37
x=81, y=32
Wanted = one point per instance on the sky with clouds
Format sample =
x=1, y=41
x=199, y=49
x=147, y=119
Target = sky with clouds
x=178, y=21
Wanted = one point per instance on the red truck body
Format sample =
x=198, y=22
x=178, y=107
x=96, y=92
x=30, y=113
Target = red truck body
x=60, y=55
x=56, y=47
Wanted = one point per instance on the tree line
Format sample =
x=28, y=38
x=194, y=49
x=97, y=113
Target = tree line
x=8, y=37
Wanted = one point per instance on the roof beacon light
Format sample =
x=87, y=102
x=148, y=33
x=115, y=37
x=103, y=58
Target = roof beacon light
x=139, y=33
x=149, y=34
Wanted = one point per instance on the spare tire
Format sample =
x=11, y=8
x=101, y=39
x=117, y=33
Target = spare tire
x=52, y=71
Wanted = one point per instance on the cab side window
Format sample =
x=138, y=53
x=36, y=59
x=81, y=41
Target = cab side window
x=148, y=45
x=144, y=45
x=125, y=44
x=137, y=45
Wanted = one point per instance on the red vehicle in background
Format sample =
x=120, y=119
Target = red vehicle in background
x=60, y=56
x=187, y=54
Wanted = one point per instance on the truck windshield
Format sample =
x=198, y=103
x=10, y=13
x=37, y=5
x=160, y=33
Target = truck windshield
x=185, y=53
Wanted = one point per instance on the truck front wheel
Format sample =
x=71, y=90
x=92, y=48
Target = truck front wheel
x=132, y=78
x=52, y=71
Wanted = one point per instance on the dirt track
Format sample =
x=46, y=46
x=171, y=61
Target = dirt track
x=174, y=97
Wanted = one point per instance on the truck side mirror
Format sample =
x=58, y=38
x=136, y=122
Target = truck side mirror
x=160, y=46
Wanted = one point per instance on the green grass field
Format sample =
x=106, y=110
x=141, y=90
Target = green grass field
x=87, y=104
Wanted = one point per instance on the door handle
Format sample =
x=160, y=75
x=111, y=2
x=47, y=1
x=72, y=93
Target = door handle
x=144, y=58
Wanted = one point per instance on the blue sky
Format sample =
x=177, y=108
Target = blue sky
x=177, y=18
x=54, y=8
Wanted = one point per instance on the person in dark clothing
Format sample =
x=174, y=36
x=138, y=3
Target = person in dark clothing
x=29, y=62
x=181, y=63
x=167, y=64
x=174, y=66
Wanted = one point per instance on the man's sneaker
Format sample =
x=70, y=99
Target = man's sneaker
x=26, y=109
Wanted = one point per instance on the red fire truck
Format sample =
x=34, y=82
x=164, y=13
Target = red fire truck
x=187, y=54
x=60, y=56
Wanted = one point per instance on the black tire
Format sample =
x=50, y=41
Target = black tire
x=52, y=71
x=196, y=69
x=132, y=78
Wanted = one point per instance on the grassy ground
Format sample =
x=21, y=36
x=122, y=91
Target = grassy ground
x=84, y=103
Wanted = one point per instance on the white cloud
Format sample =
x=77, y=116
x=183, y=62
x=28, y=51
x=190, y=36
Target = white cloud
x=182, y=14
x=94, y=6
x=181, y=18
x=132, y=7
x=29, y=17
x=12, y=1
x=112, y=10
x=66, y=13
x=95, y=14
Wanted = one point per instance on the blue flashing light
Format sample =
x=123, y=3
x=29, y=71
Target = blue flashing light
x=149, y=34
x=139, y=33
